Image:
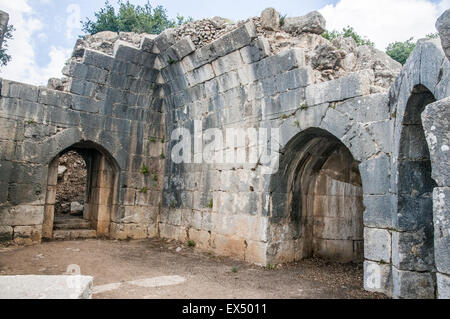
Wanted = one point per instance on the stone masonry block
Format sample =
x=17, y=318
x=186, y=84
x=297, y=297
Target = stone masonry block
x=350, y=86
x=256, y=51
x=441, y=200
x=375, y=175
x=377, y=245
x=182, y=48
x=19, y=90
x=378, y=277
x=412, y=285
x=379, y=211
x=443, y=286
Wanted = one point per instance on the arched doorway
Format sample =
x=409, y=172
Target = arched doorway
x=414, y=219
x=100, y=194
x=317, y=200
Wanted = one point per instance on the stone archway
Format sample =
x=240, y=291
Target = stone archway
x=101, y=189
x=317, y=201
x=413, y=241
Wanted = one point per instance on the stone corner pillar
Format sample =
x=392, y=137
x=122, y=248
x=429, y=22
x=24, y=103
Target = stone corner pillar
x=435, y=120
x=443, y=26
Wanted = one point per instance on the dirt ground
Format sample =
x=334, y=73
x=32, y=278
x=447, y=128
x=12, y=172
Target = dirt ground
x=198, y=275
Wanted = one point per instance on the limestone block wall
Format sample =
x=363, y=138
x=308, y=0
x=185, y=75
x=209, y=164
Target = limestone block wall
x=342, y=169
x=236, y=209
x=111, y=106
x=416, y=238
x=436, y=122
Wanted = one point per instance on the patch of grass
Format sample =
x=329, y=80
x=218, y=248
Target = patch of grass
x=284, y=117
x=155, y=177
x=31, y=122
x=163, y=156
x=333, y=105
x=191, y=243
x=297, y=123
x=394, y=114
x=234, y=269
x=163, y=140
x=303, y=106
x=282, y=19
x=152, y=139
x=211, y=204
x=170, y=61
x=143, y=190
x=172, y=203
x=270, y=266
x=144, y=170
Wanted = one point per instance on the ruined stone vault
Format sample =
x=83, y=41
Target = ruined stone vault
x=363, y=147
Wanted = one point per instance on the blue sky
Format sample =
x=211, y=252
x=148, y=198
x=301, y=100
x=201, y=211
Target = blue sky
x=47, y=29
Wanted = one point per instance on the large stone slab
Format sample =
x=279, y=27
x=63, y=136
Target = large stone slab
x=412, y=285
x=313, y=22
x=443, y=26
x=435, y=121
x=46, y=287
x=443, y=286
x=441, y=199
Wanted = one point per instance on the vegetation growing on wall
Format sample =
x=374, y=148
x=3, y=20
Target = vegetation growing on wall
x=5, y=58
x=348, y=32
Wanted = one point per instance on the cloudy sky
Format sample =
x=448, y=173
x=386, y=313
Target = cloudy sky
x=46, y=30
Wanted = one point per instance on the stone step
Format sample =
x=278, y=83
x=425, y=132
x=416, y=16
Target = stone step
x=74, y=223
x=72, y=234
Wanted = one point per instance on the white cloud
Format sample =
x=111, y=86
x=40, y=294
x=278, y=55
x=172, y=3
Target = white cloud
x=385, y=21
x=23, y=67
x=73, y=20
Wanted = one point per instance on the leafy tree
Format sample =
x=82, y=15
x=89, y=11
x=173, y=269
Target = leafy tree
x=5, y=58
x=348, y=32
x=131, y=18
x=400, y=51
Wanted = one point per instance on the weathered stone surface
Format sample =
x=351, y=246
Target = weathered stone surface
x=377, y=245
x=76, y=209
x=376, y=173
x=183, y=48
x=270, y=19
x=443, y=286
x=379, y=211
x=335, y=131
x=46, y=287
x=412, y=285
x=435, y=121
x=165, y=40
x=441, y=209
x=378, y=277
x=6, y=233
x=354, y=85
x=443, y=26
x=313, y=22
x=413, y=250
x=21, y=215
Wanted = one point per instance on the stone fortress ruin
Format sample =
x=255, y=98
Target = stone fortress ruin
x=363, y=147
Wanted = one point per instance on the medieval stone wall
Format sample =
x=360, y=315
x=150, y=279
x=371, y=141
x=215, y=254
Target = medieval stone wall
x=109, y=105
x=350, y=174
